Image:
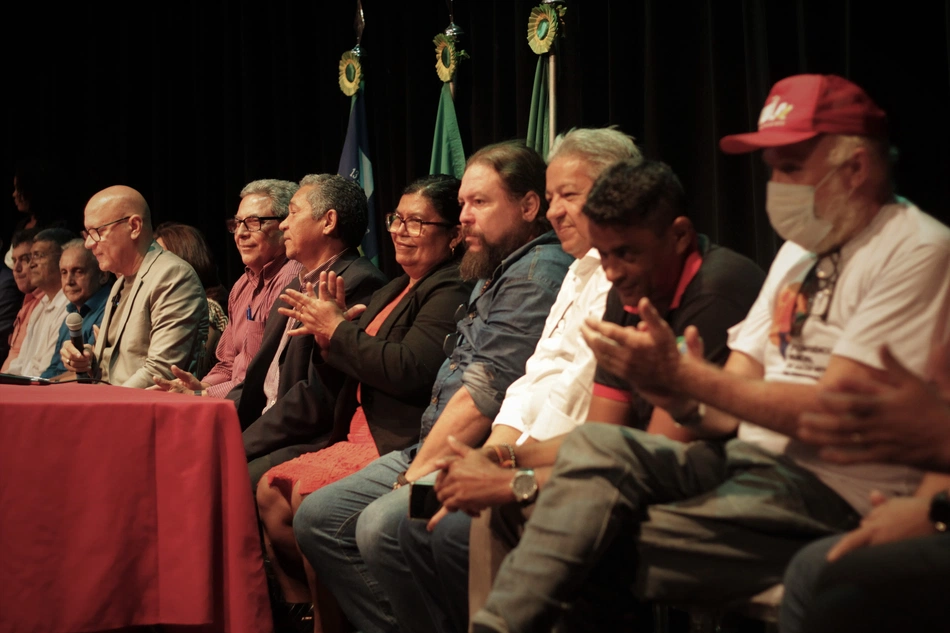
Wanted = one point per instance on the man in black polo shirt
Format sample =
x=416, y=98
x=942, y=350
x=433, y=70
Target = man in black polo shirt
x=649, y=248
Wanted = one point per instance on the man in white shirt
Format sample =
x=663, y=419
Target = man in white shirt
x=43, y=329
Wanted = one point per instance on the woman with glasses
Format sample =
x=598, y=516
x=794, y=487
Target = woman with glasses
x=390, y=355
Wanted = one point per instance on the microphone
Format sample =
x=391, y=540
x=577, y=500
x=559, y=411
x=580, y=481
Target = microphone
x=74, y=325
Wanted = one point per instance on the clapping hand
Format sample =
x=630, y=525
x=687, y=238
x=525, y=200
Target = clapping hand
x=895, y=416
x=319, y=313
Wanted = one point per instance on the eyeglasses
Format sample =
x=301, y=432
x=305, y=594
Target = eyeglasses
x=251, y=223
x=38, y=256
x=95, y=232
x=817, y=289
x=413, y=225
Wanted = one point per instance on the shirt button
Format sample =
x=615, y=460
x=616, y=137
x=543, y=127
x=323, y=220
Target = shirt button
x=452, y=366
x=435, y=400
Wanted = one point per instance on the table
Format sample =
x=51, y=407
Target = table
x=121, y=507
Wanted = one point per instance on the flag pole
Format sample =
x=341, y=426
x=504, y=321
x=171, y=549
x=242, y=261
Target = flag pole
x=552, y=97
x=452, y=31
x=552, y=84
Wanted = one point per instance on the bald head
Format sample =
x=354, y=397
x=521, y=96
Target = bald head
x=121, y=201
x=118, y=227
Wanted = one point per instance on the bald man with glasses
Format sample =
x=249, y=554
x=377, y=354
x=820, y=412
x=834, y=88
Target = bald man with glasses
x=156, y=315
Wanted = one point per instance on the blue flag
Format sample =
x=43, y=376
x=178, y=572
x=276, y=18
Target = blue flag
x=355, y=165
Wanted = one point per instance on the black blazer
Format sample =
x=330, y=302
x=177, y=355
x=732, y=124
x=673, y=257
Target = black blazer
x=307, y=391
x=398, y=366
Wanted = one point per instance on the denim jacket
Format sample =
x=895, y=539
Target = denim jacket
x=505, y=317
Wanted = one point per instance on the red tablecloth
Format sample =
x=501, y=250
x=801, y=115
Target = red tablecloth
x=121, y=507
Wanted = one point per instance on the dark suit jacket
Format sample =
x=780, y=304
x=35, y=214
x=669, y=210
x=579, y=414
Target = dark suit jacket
x=303, y=414
x=397, y=367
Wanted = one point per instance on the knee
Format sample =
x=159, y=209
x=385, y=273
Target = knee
x=257, y=467
x=377, y=529
x=269, y=504
x=594, y=444
x=411, y=533
x=450, y=536
x=801, y=578
x=805, y=567
x=313, y=523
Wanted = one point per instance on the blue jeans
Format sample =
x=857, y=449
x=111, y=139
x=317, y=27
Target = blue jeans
x=328, y=526
x=801, y=577
x=704, y=523
x=896, y=586
x=439, y=564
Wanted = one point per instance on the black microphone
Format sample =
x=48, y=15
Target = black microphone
x=74, y=325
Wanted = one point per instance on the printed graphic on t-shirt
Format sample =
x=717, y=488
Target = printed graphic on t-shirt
x=801, y=359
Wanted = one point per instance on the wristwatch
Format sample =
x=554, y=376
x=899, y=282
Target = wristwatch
x=940, y=511
x=524, y=486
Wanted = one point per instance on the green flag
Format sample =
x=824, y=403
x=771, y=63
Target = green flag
x=538, y=117
x=448, y=155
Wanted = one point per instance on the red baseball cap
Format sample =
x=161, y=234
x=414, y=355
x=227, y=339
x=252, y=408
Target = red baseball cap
x=803, y=106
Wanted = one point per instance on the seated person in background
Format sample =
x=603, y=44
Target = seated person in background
x=157, y=314
x=267, y=271
x=188, y=243
x=20, y=252
x=712, y=522
x=637, y=218
x=891, y=573
x=87, y=288
x=390, y=357
x=11, y=300
x=43, y=329
x=519, y=267
x=286, y=401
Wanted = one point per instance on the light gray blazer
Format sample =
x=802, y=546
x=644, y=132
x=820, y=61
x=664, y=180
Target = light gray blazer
x=165, y=323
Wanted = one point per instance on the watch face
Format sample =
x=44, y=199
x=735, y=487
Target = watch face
x=524, y=486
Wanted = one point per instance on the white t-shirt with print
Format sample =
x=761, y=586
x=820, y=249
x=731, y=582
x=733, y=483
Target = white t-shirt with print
x=893, y=288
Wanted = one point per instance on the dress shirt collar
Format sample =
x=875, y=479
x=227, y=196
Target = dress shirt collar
x=94, y=302
x=312, y=276
x=270, y=269
x=545, y=238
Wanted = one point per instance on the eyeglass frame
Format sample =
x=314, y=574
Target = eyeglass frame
x=391, y=218
x=94, y=231
x=260, y=219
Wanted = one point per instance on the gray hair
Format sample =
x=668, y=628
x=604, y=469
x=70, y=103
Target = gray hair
x=56, y=235
x=346, y=197
x=279, y=191
x=80, y=243
x=76, y=243
x=880, y=152
x=598, y=147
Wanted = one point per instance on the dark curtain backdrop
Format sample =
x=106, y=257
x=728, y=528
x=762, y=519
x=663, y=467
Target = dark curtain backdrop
x=187, y=103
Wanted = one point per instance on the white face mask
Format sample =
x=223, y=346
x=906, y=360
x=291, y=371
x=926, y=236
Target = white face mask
x=791, y=210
